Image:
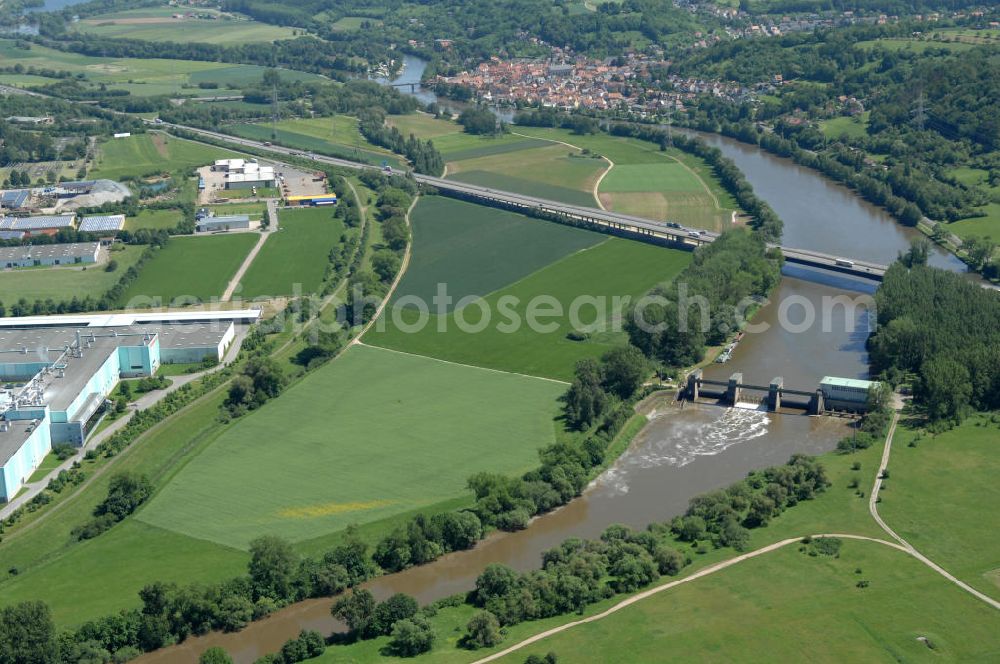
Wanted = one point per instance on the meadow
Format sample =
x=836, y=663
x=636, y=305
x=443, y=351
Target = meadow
x=154, y=220
x=940, y=493
x=616, y=268
x=476, y=250
x=64, y=283
x=190, y=268
x=154, y=153
x=851, y=126
x=295, y=256
x=372, y=434
x=987, y=225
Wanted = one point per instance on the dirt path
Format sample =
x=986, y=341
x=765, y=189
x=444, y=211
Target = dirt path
x=227, y=295
x=597, y=183
x=711, y=569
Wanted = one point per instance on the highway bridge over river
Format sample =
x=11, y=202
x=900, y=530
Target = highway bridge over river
x=613, y=222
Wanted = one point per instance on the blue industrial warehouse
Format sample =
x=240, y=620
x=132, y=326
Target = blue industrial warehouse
x=59, y=371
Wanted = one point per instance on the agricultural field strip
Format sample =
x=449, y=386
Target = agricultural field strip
x=900, y=545
x=459, y=364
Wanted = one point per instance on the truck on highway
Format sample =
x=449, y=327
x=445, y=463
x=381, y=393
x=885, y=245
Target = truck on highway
x=843, y=262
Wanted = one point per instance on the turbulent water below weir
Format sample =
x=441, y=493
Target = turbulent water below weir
x=682, y=451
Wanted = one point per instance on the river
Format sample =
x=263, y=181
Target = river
x=682, y=451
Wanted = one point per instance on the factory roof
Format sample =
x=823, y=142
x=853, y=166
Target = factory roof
x=102, y=223
x=49, y=251
x=127, y=318
x=12, y=437
x=38, y=223
x=14, y=198
x=847, y=382
x=229, y=219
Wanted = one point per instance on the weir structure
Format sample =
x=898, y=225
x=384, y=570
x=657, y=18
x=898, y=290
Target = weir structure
x=735, y=391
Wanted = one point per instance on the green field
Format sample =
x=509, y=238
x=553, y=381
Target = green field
x=64, y=283
x=852, y=127
x=154, y=220
x=385, y=433
x=141, y=77
x=294, y=258
x=153, y=153
x=614, y=268
x=329, y=136
x=189, y=269
x=476, y=250
x=422, y=125
x=940, y=495
x=158, y=24
x=787, y=606
x=547, y=171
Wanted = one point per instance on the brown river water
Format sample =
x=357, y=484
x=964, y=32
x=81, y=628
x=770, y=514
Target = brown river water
x=682, y=451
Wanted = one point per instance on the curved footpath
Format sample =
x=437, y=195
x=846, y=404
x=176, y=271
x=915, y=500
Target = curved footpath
x=899, y=544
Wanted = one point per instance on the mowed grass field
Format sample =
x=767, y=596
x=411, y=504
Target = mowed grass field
x=788, y=606
x=505, y=339
x=372, y=434
x=189, y=269
x=294, y=258
x=64, y=283
x=475, y=250
x=145, y=154
x=552, y=171
x=941, y=495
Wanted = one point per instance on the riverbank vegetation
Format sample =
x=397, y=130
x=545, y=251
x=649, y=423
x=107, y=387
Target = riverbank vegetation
x=720, y=287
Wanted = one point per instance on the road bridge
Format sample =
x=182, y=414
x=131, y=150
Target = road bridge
x=613, y=222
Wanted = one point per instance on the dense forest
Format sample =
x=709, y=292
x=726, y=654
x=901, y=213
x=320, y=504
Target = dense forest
x=945, y=330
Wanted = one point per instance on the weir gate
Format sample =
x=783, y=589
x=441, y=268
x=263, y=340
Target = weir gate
x=735, y=391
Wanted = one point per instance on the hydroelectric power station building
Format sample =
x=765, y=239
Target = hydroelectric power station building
x=57, y=372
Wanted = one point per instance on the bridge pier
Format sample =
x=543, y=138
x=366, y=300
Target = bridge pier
x=694, y=380
x=774, y=393
x=816, y=404
x=734, y=390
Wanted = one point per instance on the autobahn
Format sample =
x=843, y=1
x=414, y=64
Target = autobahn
x=638, y=227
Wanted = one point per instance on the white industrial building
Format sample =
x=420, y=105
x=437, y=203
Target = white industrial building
x=59, y=371
x=75, y=253
x=244, y=173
